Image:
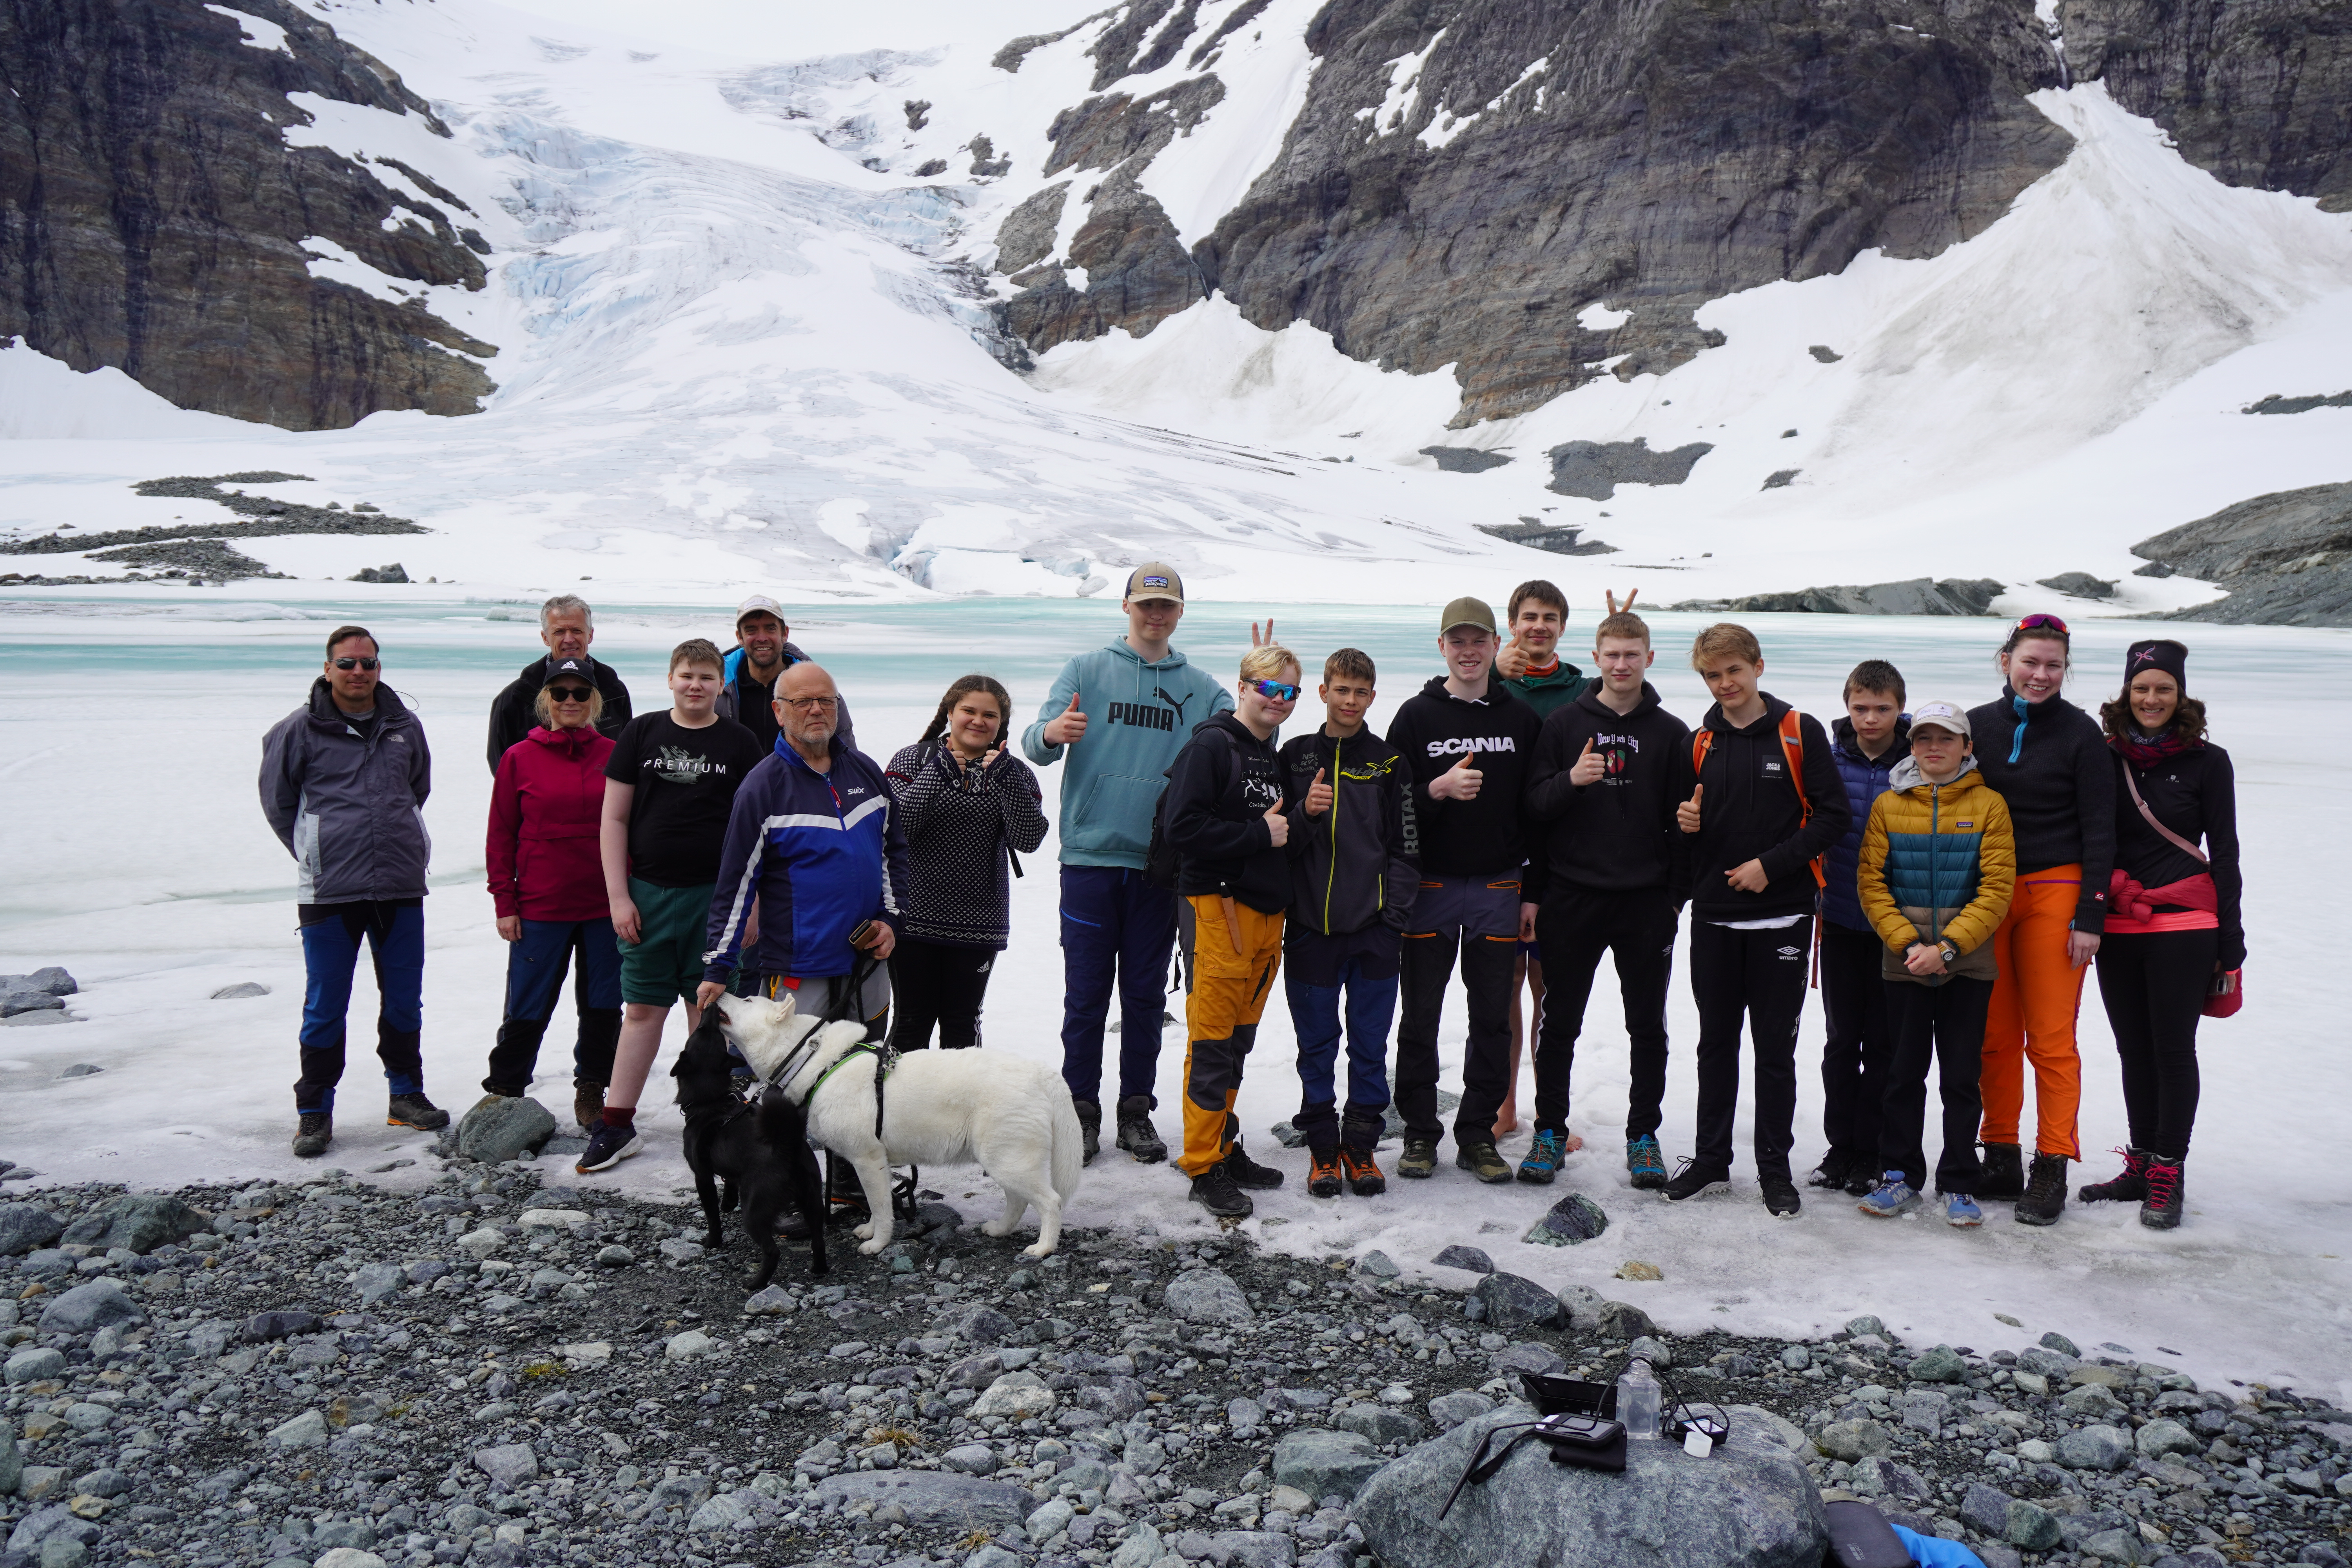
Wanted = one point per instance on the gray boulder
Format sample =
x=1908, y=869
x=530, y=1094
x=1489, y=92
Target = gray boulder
x=12, y=1460
x=33, y=1364
x=240, y=991
x=2079, y=585
x=498, y=1129
x=2164, y=1436
x=90, y=1307
x=52, y=981
x=1513, y=1360
x=1450, y=1410
x=934, y=1498
x=145, y=1221
x=13, y=1003
x=1321, y=1462
x=1622, y=1320
x=1861, y=1438
x=23, y=1227
x=1574, y=1220
x=1941, y=1364
x=1208, y=1296
x=1749, y=1505
x=2096, y=1447
x=1593, y=469
x=1380, y=1423
x=1514, y=1301
x=1471, y=1258
x=511, y=1465
x=375, y=1281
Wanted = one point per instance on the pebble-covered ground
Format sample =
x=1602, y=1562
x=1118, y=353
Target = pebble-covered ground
x=342, y=1375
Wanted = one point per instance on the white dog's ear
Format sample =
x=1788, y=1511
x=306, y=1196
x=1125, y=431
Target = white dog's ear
x=786, y=1005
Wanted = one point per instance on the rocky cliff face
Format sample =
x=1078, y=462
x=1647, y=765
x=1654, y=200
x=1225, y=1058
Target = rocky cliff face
x=153, y=218
x=1468, y=176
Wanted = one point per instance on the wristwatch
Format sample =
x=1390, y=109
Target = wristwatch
x=1952, y=954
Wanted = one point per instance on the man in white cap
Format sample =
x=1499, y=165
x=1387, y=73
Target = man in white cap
x=763, y=654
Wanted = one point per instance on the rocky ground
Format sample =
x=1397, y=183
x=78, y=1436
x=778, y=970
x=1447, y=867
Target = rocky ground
x=338, y=1374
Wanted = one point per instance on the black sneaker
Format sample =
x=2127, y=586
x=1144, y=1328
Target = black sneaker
x=1248, y=1173
x=1418, y=1162
x=313, y=1133
x=1213, y=1189
x=2045, y=1191
x=2004, y=1171
x=416, y=1110
x=1780, y=1198
x=1836, y=1166
x=607, y=1146
x=1090, y=1128
x=1136, y=1133
x=1692, y=1179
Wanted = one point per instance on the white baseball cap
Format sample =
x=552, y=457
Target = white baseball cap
x=1942, y=716
x=758, y=603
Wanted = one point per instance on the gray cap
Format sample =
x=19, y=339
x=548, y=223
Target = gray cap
x=1949, y=716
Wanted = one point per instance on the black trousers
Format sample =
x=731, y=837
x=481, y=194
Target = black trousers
x=2154, y=985
x=1576, y=926
x=1944, y=1023
x=937, y=983
x=1476, y=919
x=1861, y=1044
x=1759, y=976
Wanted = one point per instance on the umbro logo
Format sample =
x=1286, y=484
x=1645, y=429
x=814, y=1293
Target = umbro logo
x=1792, y=952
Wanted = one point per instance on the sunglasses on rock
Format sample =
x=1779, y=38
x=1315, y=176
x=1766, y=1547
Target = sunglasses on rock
x=348, y=662
x=570, y=693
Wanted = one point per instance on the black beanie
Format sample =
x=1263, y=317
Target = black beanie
x=2160, y=653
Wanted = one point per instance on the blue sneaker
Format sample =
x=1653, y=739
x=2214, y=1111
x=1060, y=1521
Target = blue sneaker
x=1646, y=1160
x=1893, y=1196
x=1543, y=1160
x=1961, y=1210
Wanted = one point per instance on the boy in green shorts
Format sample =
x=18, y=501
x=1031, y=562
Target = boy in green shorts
x=668, y=787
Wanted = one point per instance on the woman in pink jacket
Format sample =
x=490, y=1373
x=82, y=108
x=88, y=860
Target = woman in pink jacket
x=549, y=884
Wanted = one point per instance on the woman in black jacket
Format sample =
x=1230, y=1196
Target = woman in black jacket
x=966, y=804
x=2173, y=922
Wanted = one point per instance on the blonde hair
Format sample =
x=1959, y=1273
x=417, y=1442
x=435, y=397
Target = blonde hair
x=1267, y=663
x=1724, y=639
x=544, y=711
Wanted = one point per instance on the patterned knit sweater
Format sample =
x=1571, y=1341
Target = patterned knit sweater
x=959, y=823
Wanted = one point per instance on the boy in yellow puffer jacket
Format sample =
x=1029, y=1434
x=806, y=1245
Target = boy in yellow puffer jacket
x=1938, y=865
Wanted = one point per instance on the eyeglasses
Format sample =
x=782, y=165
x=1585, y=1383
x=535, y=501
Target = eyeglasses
x=349, y=663
x=810, y=704
x=2043, y=623
x=1276, y=691
x=570, y=693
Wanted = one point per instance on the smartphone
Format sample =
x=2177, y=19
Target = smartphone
x=863, y=934
x=1579, y=1431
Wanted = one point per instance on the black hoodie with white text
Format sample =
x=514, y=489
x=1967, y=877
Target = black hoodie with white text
x=1617, y=834
x=1489, y=836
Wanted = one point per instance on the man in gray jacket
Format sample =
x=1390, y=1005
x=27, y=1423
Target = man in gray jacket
x=343, y=782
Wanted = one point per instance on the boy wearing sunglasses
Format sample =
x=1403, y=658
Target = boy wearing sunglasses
x=343, y=782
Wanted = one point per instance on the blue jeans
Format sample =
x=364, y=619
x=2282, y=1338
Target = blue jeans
x=1314, y=1015
x=394, y=935
x=1115, y=925
x=535, y=966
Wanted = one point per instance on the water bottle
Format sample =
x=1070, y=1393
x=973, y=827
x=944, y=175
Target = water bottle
x=1637, y=1399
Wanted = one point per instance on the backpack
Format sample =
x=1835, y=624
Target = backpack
x=1162, y=863
x=1792, y=746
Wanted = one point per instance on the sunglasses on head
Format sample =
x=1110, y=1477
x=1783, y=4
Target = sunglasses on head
x=347, y=662
x=1276, y=691
x=569, y=693
x=2043, y=623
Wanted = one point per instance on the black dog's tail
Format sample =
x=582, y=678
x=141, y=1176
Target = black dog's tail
x=784, y=1129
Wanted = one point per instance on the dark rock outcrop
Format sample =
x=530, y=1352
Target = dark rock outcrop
x=153, y=216
x=1919, y=596
x=1138, y=274
x=2079, y=584
x=2275, y=404
x=1593, y=469
x=1463, y=459
x=2253, y=91
x=272, y=518
x=2286, y=558
x=1562, y=541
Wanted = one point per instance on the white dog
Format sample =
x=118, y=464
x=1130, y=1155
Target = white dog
x=1013, y=1118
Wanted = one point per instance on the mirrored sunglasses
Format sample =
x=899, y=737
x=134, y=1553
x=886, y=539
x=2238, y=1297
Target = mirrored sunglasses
x=347, y=662
x=1276, y=691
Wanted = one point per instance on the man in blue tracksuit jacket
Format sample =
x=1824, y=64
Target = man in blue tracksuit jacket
x=1119, y=715
x=813, y=841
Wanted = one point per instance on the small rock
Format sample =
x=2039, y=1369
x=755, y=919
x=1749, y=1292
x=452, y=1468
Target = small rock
x=566, y=1220
x=1377, y=1266
x=1209, y=1296
x=768, y=1303
x=82, y=1070
x=2055, y=1341
x=1650, y=1349
x=1520, y=1359
x=2031, y=1527
x=934, y=1498
x=1379, y=1422
x=511, y=1465
x=615, y=1255
x=1456, y=1256
x=23, y=1227
x=265, y=1326
x=973, y=1459
x=1861, y=1438
x=348, y=1557
x=481, y=1243
x=498, y=1129
x=1450, y=1410
x=1941, y=1364
x=308, y=1430
x=89, y=1307
x=1865, y=1325
x=1634, y=1269
x=375, y=1281
x=1016, y=1395
x=2098, y=1448
x=1622, y=1320
x=1288, y=1135
x=1322, y=1462
x=688, y=1345
x=1574, y=1219
x=1514, y=1301
x=240, y=991
x=33, y=1365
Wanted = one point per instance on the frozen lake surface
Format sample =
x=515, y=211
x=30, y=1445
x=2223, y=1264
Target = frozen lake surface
x=137, y=856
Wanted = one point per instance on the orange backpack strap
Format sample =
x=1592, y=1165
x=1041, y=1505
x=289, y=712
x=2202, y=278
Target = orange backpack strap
x=1700, y=744
x=1792, y=746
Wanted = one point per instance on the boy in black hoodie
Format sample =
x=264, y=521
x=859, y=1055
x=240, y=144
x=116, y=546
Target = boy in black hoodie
x=1354, y=848
x=1766, y=802
x=1468, y=743
x=1222, y=814
x=1610, y=769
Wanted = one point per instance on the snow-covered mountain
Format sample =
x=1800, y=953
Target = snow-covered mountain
x=1305, y=294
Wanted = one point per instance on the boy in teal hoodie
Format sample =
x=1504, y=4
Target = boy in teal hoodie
x=1119, y=715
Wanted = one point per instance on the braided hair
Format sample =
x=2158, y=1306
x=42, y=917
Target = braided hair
x=935, y=734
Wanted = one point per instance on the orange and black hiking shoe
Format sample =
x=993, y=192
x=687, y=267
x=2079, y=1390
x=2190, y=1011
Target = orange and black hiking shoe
x=1363, y=1173
x=1323, y=1174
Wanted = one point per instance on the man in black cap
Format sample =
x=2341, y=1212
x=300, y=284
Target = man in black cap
x=567, y=627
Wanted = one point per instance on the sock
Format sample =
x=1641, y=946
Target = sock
x=623, y=1117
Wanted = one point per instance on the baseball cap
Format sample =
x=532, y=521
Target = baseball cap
x=1155, y=580
x=1466, y=611
x=557, y=668
x=758, y=603
x=1942, y=716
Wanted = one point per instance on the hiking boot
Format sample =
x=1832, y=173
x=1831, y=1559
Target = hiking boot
x=1834, y=1170
x=2161, y=1210
x=1861, y=1180
x=313, y=1131
x=1693, y=1179
x=587, y=1105
x=1136, y=1133
x=1646, y=1160
x=1961, y=1211
x=1248, y=1173
x=416, y=1110
x=2128, y=1188
x=1213, y=1189
x=607, y=1146
x=1781, y=1199
x=2004, y=1171
x=1418, y=1162
x=1089, y=1128
x=2045, y=1191
x=1323, y=1178
x=1482, y=1160
x=1364, y=1178
x=1892, y=1196
x=1545, y=1157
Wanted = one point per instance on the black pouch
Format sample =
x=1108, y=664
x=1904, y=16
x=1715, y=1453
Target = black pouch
x=1860, y=1537
x=1588, y=1443
x=1557, y=1393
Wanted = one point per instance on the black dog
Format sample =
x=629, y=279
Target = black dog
x=763, y=1154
